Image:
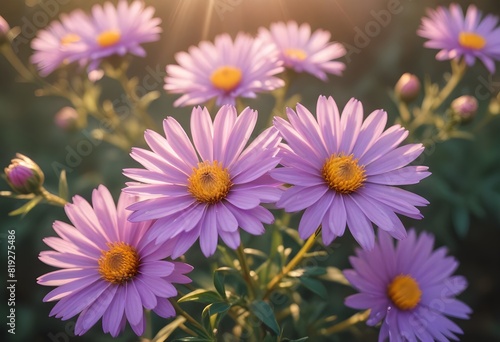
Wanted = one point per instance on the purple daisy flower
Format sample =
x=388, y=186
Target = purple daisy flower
x=117, y=30
x=208, y=190
x=457, y=36
x=59, y=43
x=303, y=52
x=108, y=267
x=224, y=70
x=343, y=170
x=410, y=288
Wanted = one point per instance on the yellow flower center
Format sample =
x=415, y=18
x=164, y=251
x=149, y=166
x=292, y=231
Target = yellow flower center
x=404, y=292
x=471, y=40
x=226, y=78
x=343, y=173
x=209, y=182
x=297, y=54
x=70, y=38
x=119, y=264
x=108, y=38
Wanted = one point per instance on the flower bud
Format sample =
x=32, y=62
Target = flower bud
x=24, y=175
x=407, y=88
x=66, y=118
x=465, y=107
x=4, y=30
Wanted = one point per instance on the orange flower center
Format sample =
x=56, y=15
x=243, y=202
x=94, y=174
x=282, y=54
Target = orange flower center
x=226, y=78
x=70, y=38
x=404, y=292
x=343, y=173
x=297, y=54
x=471, y=40
x=108, y=38
x=209, y=182
x=119, y=264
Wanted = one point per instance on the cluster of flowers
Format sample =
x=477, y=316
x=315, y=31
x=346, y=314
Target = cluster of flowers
x=341, y=169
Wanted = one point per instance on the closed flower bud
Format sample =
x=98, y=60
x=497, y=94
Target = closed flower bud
x=66, y=118
x=407, y=88
x=465, y=107
x=4, y=30
x=24, y=175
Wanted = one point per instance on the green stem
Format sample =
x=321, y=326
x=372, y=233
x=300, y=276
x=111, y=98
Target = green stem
x=52, y=199
x=12, y=58
x=148, y=332
x=187, y=316
x=457, y=73
x=356, y=318
x=293, y=263
x=245, y=270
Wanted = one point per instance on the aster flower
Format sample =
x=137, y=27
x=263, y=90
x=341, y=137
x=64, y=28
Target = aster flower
x=208, y=190
x=223, y=70
x=117, y=30
x=303, y=52
x=343, y=171
x=108, y=268
x=58, y=43
x=458, y=36
x=409, y=288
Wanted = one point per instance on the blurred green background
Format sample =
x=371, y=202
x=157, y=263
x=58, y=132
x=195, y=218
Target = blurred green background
x=464, y=189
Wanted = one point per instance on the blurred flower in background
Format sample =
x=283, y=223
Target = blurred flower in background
x=460, y=36
x=58, y=43
x=117, y=30
x=303, y=52
x=224, y=70
x=4, y=30
x=408, y=288
x=66, y=118
x=109, y=268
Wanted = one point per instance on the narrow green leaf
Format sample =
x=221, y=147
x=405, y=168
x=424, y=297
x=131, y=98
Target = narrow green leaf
x=315, y=286
x=265, y=314
x=27, y=207
x=167, y=330
x=219, y=278
x=195, y=339
x=202, y=296
x=63, y=185
x=218, y=308
x=302, y=339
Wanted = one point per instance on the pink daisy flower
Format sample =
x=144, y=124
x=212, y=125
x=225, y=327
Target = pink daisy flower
x=459, y=36
x=209, y=189
x=303, y=52
x=58, y=44
x=223, y=70
x=409, y=288
x=343, y=171
x=117, y=30
x=108, y=267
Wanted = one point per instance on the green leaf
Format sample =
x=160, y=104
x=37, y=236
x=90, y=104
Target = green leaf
x=63, y=185
x=27, y=207
x=196, y=339
x=315, y=286
x=167, y=330
x=202, y=296
x=219, y=278
x=265, y=314
x=205, y=319
x=218, y=308
x=302, y=339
